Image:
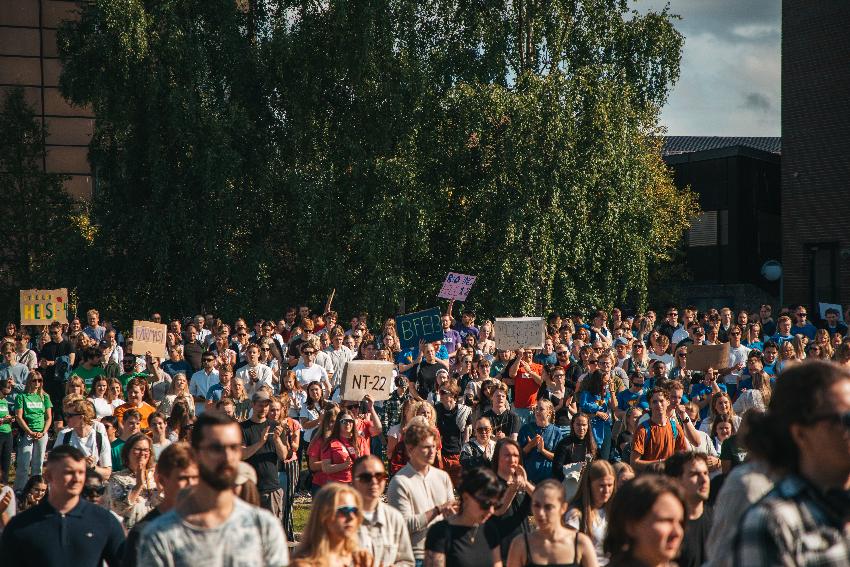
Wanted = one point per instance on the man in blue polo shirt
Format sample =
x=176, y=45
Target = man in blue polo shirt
x=63, y=530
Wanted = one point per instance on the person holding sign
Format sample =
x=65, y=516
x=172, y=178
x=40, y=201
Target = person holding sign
x=526, y=377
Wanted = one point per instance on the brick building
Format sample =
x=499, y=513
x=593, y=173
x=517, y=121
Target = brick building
x=816, y=151
x=29, y=59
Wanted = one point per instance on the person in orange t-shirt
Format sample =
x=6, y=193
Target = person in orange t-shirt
x=139, y=399
x=525, y=376
x=658, y=438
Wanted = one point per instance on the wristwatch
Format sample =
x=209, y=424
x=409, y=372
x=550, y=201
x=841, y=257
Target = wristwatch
x=686, y=419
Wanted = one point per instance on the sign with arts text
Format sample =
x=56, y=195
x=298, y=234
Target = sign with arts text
x=149, y=337
x=44, y=306
x=519, y=332
x=703, y=357
x=422, y=325
x=456, y=286
x=367, y=377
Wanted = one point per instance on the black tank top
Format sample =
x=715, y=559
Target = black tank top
x=530, y=563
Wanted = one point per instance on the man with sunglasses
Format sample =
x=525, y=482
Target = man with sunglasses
x=383, y=531
x=737, y=361
x=202, y=381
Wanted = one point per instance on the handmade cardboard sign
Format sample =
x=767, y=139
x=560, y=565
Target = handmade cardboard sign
x=703, y=357
x=149, y=337
x=456, y=286
x=519, y=332
x=362, y=377
x=422, y=325
x=822, y=307
x=44, y=306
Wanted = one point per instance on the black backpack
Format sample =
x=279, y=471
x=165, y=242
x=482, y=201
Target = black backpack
x=66, y=440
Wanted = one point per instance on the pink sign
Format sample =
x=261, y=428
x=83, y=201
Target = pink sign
x=456, y=286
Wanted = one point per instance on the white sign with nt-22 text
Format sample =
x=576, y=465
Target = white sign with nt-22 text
x=362, y=377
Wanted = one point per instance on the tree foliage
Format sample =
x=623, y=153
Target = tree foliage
x=40, y=221
x=250, y=158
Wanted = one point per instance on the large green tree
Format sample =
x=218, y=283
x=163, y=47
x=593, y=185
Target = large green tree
x=251, y=157
x=41, y=223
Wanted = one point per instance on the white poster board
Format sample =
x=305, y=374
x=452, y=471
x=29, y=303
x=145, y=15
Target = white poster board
x=520, y=332
x=362, y=377
x=822, y=307
x=456, y=286
x=149, y=337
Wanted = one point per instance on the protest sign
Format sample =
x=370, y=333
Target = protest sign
x=362, y=377
x=422, y=325
x=456, y=286
x=149, y=337
x=703, y=357
x=822, y=307
x=519, y=332
x=44, y=306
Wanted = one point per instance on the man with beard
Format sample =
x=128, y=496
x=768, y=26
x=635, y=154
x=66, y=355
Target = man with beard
x=210, y=526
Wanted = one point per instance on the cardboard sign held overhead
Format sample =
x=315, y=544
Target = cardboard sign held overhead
x=44, y=306
x=456, y=286
x=520, y=332
x=703, y=357
x=822, y=307
x=149, y=337
x=362, y=377
x=422, y=325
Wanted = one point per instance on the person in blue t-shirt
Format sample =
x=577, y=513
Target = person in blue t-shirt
x=538, y=440
x=467, y=324
x=803, y=326
x=633, y=396
x=701, y=392
x=451, y=338
x=832, y=324
x=783, y=333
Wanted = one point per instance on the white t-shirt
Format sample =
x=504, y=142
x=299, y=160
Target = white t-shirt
x=264, y=378
x=88, y=445
x=736, y=355
x=306, y=376
x=249, y=536
x=102, y=408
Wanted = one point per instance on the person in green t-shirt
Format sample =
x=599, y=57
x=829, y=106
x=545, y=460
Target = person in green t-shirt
x=90, y=368
x=6, y=419
x=34, y=414
x=131, y=424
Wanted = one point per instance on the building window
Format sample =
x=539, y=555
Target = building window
x=824, y=273
x=710, y=228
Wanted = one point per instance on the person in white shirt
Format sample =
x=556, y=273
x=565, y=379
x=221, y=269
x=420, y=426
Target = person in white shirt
x=83, y=435
x=202, y=381
x=423, y=494
x=307, y=371
x=254, y=375
x=383, y=531
x=339, y=355
x=737, y=360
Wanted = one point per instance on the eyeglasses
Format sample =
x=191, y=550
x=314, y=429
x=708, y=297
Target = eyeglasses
x=802, y=314
x=265, y=349
x=445, y=393
x=91, y=492
x=205, y=360
x=593, y=362
x=357, y=336
x=242, y=335
x=483, y=429
x=308, y=352
x=141, y=451
x=682, y=355
x=346, y=421
x=367, y=478
x=347, y=511
x=563, y=353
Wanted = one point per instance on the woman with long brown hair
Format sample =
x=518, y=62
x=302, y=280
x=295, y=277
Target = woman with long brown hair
x=314, y=450
x=344, y=445
x=590, y=509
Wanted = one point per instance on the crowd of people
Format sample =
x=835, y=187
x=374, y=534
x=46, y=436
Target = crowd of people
x=603, y=447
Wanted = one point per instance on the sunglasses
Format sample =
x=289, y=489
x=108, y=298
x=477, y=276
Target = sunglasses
x=91, y=492
x=347, y=511
x=367, y=478
x=593, y=362
x=485, y=503
x=344, y=421
x=483, y=429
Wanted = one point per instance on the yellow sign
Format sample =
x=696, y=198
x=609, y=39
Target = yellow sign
x=43, y=306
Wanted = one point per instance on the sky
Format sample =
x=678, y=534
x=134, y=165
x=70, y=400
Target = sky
x=729, y=83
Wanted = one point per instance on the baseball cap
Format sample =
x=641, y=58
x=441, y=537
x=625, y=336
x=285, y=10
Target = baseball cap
x=620, y=341
x=260, y=396
x=104, y=344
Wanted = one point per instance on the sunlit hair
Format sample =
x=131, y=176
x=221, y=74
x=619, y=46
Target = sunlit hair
x=583, y=500
x=73, y=382
x=315, y=545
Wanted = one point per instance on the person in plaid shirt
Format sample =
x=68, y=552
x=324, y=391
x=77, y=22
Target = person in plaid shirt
x=805, y=519
x=391, y=413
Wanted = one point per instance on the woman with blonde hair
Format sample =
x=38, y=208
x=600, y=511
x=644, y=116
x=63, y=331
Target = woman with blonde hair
x=589, y=510
x=823, y=341
x=115, y=393
x=787, y=356
x=720, y=404
x=179, y=390
x=640, y=357
x=330, y=537
x=34, y=414
x=75, y=385
x=240, y=398
x=800, y=342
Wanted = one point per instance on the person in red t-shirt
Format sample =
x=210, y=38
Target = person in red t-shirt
x=658, y=438
x=525, y=376
x=342, y=448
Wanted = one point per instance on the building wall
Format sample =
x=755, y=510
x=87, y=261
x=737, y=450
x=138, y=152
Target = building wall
x=816, y=150
x=29, y=59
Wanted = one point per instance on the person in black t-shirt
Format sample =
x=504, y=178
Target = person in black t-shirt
x=58, y=353
x=264, y=449
x=505, y=422
x=691, y=470
x=465, y=539
x=453, y=425
x=425, y=373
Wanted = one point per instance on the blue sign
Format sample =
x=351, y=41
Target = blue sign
x=422, y=325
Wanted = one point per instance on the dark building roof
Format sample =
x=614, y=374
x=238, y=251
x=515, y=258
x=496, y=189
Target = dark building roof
x=674, y=145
